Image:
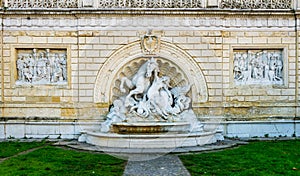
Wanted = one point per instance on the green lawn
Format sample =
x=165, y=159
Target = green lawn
x=257, y=158
x=10, y=148
x=50, y=160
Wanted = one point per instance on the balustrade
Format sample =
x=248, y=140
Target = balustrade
x=256, y=4
x=20, y=4
x=102, y=4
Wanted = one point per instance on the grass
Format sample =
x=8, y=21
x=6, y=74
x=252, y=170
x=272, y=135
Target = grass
x=50, y=160
x=257, y=158
x=10, y=148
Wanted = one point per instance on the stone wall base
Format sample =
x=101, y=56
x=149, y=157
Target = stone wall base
x=18, y=129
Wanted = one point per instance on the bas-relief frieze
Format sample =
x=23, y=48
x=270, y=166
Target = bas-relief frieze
x=264, y=67
x=41, y=66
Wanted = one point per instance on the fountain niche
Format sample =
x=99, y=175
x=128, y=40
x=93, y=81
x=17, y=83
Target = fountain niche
x=151, y=108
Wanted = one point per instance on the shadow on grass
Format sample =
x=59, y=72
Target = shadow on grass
x=11, y=148
x=256, y=158
x=50, y=160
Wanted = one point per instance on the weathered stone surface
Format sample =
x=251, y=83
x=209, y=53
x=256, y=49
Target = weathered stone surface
x=97, y=47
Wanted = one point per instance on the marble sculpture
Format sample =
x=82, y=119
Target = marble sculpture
x=150, y=98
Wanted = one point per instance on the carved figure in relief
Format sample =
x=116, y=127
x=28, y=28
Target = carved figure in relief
x=140, y=81
x=31, y=64
x=149, y=98
x=63, y=65
x=41, y=67
x=278, y=67
x=20, y=67
x=35, y=57
x=57, y=70
x=258, y=67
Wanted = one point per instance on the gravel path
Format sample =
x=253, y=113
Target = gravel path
x=167, y=165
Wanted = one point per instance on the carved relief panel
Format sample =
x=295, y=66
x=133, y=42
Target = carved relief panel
x=263, y=67
x=41, y=66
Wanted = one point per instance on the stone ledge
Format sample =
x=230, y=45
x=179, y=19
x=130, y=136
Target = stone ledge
x=220, y=145
x=149, y=11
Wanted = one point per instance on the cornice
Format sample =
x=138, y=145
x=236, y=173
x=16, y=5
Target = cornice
x=162, y=12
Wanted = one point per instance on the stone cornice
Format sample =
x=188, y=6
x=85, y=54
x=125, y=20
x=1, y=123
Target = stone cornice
x=185, y=12
x=113, y=22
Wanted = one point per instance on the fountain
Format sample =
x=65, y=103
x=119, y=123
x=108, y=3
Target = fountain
x=151, y=112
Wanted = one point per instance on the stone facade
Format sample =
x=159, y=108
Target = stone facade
x=202, y=40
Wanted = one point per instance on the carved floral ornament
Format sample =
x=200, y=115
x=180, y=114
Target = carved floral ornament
x=256, y=4
x=102, y=4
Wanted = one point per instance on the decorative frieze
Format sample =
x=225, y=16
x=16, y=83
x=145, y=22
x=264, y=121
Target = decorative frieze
x=103, y=4
x=150, y=4
x=41, y=66
x=264, y=67
x=256, y=4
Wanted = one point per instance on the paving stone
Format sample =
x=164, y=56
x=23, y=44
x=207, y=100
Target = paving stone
x=168, y=165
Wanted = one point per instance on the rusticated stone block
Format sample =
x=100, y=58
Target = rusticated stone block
x=56, y=99
x=69, y=112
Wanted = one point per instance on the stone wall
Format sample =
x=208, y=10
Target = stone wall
x=93, y=39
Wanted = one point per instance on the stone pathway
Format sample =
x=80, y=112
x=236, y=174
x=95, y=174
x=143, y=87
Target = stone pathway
x=154, y=162
x=167, y=165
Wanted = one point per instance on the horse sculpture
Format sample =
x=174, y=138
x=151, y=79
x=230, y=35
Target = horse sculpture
x=159, y=96
x=140, y=82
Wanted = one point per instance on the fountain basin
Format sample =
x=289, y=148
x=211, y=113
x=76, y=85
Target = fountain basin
x=150, y=127
x=148, y=141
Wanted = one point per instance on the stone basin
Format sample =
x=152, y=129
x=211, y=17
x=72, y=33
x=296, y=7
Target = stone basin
x=147, y=141
x=149, y=135
x=150, y=127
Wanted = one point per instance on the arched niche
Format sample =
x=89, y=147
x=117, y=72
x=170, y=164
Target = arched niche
x=173, y=62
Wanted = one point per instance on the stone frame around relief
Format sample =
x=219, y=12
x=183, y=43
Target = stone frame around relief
x=28, y=49
x=259, y=49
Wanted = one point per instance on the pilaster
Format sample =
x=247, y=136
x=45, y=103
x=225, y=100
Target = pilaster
x=298, y=64
x=1, y=59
